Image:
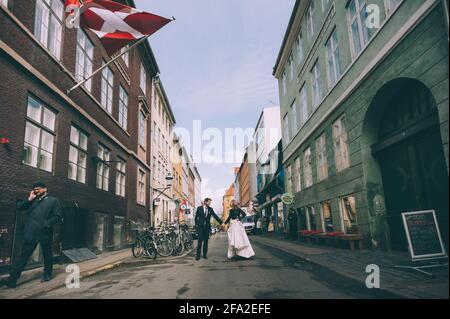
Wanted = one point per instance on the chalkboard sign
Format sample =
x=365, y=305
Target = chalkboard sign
x=424, y=238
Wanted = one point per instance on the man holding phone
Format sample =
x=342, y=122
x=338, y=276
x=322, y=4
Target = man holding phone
x=43, y=212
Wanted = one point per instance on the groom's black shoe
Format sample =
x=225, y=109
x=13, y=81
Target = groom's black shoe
x=197, y=258
x=205, y=257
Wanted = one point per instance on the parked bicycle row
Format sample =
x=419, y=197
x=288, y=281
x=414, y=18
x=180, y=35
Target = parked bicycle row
x=166, y=240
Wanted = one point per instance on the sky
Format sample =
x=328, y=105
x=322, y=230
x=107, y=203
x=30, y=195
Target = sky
x=216, y=61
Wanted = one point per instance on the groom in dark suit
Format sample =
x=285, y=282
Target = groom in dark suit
x=203, y=226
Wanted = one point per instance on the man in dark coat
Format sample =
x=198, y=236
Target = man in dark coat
x=293, y=224
x=203, y=226
x=43, y=212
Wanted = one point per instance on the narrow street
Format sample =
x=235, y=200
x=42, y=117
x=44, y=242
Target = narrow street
x=270, y=275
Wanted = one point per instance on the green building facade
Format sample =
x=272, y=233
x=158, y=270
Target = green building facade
x=364, y=111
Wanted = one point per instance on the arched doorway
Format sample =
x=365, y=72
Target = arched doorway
x=410, y=155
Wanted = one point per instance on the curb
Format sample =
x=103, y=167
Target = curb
x=90, y=273
x=305, y=257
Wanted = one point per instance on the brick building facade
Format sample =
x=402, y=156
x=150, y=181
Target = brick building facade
x=91, y=147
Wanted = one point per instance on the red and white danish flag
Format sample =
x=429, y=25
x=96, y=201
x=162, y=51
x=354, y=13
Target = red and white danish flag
x=116, y=24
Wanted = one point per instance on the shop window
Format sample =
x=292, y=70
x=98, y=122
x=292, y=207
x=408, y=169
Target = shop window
x=348, y=209
x=100, y=232
x=119, y=232
x=327, y=217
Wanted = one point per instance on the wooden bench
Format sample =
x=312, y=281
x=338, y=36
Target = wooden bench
x=308, y=234
x=352, y=239
x=329, y=238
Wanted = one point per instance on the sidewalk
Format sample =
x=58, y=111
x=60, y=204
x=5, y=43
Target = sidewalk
x=352, y=264
x=29, y=284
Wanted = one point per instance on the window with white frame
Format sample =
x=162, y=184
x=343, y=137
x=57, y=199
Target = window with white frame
x=310, y=20
x=334, y=67
x=360, y=33
x=321, y=158
x=315, y=87
x=327, y=217
x=107, y=89
x=126, y=55
x=123, y=108
x=154, y=168
x=85, y=56
x=104, y=156
x=39, y=136
x=77, y=155
x=143, y=79
x=142, y=125
x=307, y=167
x=121, y=173
x=298, y=175
x=286, y=128
x=293, y=114
x=141, y=187
x=304, y=104
x=341, y=154
x=300, y=48
x=48, y=25
x=391, y=5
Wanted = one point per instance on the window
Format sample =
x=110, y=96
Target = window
x=327, y=217
x=291, y=66
x=340, y=144
x=294, y=125
x=361, y=34
x=298, y=184
x=48, y=25
x=77, y=155
x=107, y=89
x=141, y=187
x=286, y=128
x=310, y=20
x=325, y=4
x=39, y=136
x=143, y=79
x=348, y=209
x=123, y=107
x=321, y=155
x=103, y=155
x=283, y=83
x=316, y=90
x=120, y=177
x=307, y=167
x=304, y=105
x=154, y=167
x=289, y=179
x=142, y=129
x=311, y=218
x=85, y=56
x=300, y=48
x=126, y=55
x=391, y=5
x=334, y=68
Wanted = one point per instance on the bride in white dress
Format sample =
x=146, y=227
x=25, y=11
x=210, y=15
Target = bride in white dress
x=238, y=242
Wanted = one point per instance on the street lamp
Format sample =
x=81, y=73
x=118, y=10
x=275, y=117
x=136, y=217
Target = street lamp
x=169, y=182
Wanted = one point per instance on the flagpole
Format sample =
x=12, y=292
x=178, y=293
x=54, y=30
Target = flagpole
x=107, y=64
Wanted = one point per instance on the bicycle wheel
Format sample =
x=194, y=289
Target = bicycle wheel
x=137, y=249
x=150, y=250
x=164, y=247
x=178, y=247
x=188, y=241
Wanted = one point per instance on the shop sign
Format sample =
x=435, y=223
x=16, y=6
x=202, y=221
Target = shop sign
x=424, y=237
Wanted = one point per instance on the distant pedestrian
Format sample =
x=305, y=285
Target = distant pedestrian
x=44, y=212
x=259, y=226
x=292, y=218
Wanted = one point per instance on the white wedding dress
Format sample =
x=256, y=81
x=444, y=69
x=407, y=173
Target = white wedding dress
x=238, y=242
